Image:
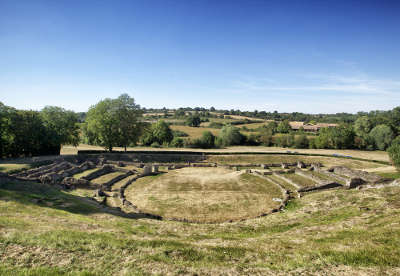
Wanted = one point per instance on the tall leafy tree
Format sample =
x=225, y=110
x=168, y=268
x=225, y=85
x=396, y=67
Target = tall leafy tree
x=362, y=126
x=193, y=121
x=382, y=135
x=63, y=125
x=284, y=127
x=114, y=122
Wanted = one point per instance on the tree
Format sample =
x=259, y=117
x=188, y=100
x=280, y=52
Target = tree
x=284, y=127
x=340, y=137
x=62, y=124
x=362, y=126
x=382, y=135
x=128, y=114
x=114, y=122
x=6, y=137
x=272, y=126
x=159, y=133
x=394, y=152
x=301, y=142
x=207, y=140
x=193, y=121
x=162, y=133
x=265, y=137
x=230, y=136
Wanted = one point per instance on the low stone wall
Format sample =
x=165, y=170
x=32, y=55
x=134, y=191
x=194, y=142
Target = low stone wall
x=325, y=186
x=55, y=169
x=287, y=180
x=146, y=157
x=365, y=176
x=328, y=173
x=104, y=170
x=78, y=169
x=311, y=177
x=35, y=170
x=107, y=186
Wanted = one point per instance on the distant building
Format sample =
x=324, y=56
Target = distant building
x=309, y=127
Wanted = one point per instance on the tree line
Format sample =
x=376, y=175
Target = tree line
x=118, y=123
x=29, y=133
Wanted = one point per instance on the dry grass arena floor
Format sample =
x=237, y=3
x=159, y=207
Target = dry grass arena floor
x=204, y=195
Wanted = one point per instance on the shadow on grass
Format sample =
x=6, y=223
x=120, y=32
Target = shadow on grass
x=33, y=193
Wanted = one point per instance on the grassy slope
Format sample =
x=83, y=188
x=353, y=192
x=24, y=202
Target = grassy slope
x=338, y=231
x=12, y=168
x=195, y=132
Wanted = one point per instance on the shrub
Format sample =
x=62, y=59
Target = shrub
x=177, y=142
x=301, y=142
x=253, y=140
x=215, y=125
x=265, y=138
x=207, y=140
x=155, y=145
x=193, y=121
x=285, y=140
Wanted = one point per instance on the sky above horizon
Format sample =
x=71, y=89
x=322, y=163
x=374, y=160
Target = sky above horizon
x=289, y=56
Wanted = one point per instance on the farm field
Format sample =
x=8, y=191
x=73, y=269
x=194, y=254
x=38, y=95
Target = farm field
x=195, y=132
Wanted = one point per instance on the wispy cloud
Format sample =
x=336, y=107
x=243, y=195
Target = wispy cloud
x=350, y=84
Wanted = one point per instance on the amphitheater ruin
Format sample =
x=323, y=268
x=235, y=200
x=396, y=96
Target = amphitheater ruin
x=105, y=179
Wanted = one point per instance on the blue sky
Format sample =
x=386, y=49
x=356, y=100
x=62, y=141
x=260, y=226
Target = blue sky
x=305, y=56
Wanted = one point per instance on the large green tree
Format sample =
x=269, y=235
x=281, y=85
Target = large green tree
x=362, y=126
x=159, y=133
x=382, y=135
x=63, y=125
x=6, y=137
x=394, y=152
x=230, y=136
x=114, y=122
x=284, y=127
x=193, y=121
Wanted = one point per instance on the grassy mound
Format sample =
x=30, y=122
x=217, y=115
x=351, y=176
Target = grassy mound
x=204, y=195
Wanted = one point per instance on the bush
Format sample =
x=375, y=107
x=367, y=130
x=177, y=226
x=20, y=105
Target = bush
x=215, y=125
x=265, y=137
x=301, y=142
x=193, y=121
x=177, y=142
x=155, y=145
x=253, y=140
x=206, y=141
x=285, y=140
